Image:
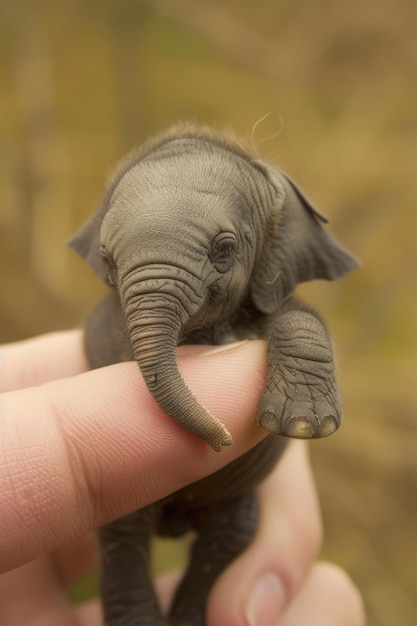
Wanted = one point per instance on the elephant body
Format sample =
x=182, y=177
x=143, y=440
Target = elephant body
x=200, y=242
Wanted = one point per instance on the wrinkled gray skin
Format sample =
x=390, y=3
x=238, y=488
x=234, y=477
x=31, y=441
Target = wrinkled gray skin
x=201, y=243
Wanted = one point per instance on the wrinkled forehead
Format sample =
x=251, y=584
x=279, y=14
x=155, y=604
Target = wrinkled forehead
x=176, y=189
x=185, y=165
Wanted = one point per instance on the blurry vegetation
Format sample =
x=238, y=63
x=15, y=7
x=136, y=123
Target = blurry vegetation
x=84, y=81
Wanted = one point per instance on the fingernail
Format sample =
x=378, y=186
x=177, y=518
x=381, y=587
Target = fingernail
x=266, y=601
x=223, y=348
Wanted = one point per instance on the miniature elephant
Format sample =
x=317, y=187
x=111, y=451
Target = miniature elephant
x=200, y=242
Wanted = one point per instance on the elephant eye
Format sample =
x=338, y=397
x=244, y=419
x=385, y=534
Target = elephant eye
x=222, y=252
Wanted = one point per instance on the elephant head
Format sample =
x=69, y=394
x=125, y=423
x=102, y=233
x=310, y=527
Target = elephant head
x=188, y=230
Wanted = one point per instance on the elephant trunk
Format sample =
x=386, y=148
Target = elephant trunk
x=155, y=326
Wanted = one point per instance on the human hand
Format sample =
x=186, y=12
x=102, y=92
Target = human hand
x=70, y=461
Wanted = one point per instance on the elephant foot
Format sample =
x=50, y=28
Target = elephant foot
x=301, y=398
x=303, y=410
x=298, y=420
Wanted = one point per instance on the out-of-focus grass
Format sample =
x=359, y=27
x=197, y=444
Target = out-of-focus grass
x=86, y=589
x=82, y=82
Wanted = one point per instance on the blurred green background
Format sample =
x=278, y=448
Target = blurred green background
x=83, y=81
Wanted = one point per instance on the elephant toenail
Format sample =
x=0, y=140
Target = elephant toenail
x=327, y=425
x=299, y=427
x=268, y=420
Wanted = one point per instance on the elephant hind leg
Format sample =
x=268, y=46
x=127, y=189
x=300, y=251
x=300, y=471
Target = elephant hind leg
x=223, y=533
x=127, y=594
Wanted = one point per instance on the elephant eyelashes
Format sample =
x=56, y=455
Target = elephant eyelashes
x=222, y=253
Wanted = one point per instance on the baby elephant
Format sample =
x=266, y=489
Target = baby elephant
x=200, y=242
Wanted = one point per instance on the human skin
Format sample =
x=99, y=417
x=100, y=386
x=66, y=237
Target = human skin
x=57, y=433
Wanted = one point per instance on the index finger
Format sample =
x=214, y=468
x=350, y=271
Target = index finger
x=77, y=452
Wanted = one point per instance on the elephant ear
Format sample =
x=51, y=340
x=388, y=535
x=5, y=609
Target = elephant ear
x=86, y=242
x=296, y=249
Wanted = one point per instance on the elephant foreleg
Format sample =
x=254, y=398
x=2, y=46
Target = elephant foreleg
x=224, y=532
x=127, y=593
x=301, y=397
